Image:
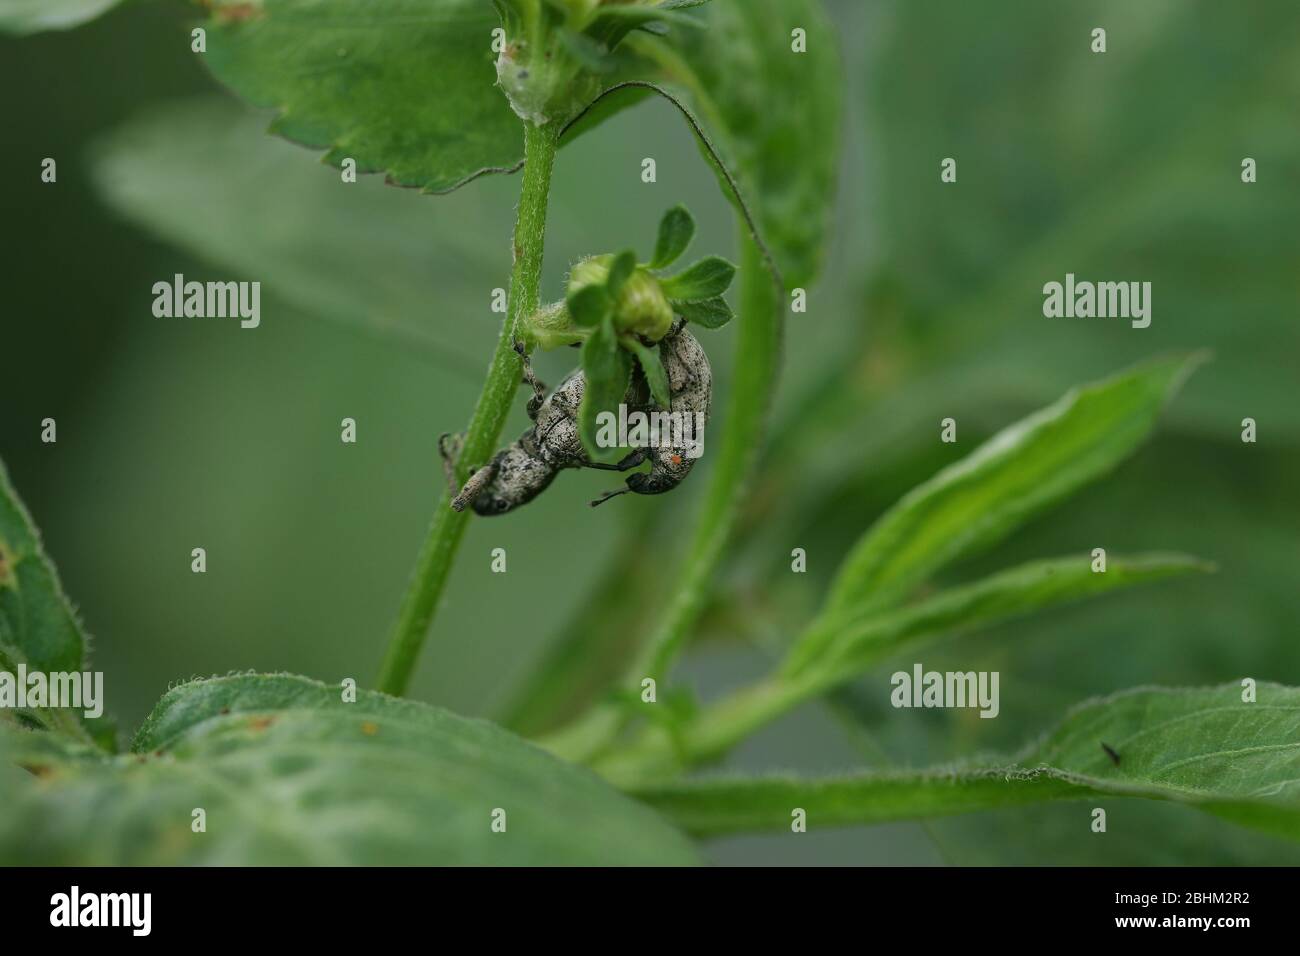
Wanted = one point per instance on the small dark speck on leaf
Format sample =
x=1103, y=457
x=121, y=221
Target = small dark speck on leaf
x=224, y=711
x=1114, y=757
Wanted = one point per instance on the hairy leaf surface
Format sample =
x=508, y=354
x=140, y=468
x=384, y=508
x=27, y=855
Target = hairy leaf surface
x=287, y=772
x=1201, y=746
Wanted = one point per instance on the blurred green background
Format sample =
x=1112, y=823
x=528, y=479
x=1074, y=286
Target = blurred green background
x=175, y=434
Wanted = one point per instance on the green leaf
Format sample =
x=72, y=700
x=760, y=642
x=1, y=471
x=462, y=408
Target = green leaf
x=403, y=87
x=288, y=773
x=1204, y=747
x=590, y=305
x=613, y=21
x=1016, y=474
x=837, y=647
x=653, y=368
x=710, y=313
x=37, y=624
x=676, y=229
x=361, y=255
x=607, y=370
x=706, y=279
x=31, y=16
x=620, y=270
x=778, y=130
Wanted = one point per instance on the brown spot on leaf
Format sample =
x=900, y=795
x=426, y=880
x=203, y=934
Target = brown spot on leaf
x=6, y=565
x=260, y=723
x=369, y=728
x=234, y=12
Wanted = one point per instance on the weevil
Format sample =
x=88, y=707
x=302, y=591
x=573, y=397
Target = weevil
x=524, y=469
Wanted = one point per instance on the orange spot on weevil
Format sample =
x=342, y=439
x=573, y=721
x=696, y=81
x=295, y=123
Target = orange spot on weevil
x=676, y=459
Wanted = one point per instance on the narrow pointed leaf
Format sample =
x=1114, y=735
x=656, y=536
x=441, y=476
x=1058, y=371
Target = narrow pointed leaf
x=607, y=370
x=1012, y=477
x=706, y=279
x=839, y=646
x=589, y=305
x=676, y=230
x=620, y=270
x=708, y=313
x=653, y=367
x=1203, y=746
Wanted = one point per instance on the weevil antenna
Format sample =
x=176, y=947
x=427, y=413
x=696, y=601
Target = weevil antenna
x=610, y=494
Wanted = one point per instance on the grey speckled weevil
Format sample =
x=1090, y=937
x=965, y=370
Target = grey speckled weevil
x=520, y=472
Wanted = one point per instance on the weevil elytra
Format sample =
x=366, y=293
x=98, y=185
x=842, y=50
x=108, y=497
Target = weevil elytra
x=524, y=469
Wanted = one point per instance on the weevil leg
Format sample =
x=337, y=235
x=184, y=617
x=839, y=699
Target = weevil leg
x=474, y=486
x=539, y=390
x=626, y=464
x=610, y=494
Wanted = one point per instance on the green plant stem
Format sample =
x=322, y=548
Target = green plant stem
x=757, y=357
x=654, y=755
x=754, y=375
x=448, y=527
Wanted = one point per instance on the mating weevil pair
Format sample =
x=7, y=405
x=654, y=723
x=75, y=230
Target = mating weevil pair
x=520, y=472
x=630, y=320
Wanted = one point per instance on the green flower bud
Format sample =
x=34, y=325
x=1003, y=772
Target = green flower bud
x=643, y=308
x=543, y=84
x=640, y=306
x=594, y=270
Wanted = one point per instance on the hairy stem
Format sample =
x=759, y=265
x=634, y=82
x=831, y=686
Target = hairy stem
x=757, y=356
x=448, y=527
